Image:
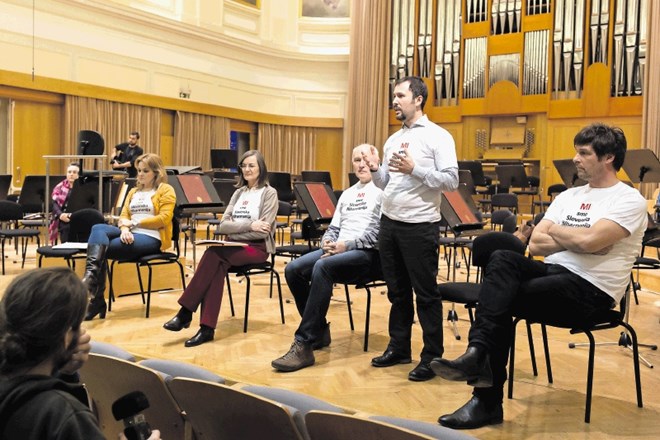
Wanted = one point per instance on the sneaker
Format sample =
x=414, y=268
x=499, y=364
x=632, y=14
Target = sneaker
x=300, y=355
x=325, y=340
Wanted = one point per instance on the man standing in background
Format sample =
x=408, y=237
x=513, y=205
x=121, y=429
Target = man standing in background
x=419, y=162
x=126, y=153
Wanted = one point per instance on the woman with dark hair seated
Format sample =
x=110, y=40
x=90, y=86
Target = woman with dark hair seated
x=250, y=219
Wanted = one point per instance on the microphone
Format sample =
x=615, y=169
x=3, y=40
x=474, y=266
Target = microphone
x=128, y=408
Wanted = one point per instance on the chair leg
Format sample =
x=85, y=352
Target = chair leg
x=532, y=351
x=590, y=376
x=111, y=292
x=139, y=274
x=348, y=304
x=635, y=349
x=452, y=317
x=247, y=303
x=512, y=352
x=546, y=350
x=367, y=319
x=231, y=299
x=148, y=292
x=279, y=292
x=183, y=276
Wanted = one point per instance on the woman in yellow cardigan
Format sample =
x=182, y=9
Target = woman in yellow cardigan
x=144, y=227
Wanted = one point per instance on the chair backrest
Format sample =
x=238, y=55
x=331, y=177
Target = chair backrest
x=498, y=217
x=220, y=412
x=352, y=179
x=510, y=224
x=317, y=176
x=174, y=369
x=5, y=184
x=504, y=200
x=10, y=211
x=108, y=349
x=281, y=181
x=80, y=225
x=108, y=378
x=284, y=209
x=555, y=189
x=432, y=429
x=330, y=426
x=484, y=245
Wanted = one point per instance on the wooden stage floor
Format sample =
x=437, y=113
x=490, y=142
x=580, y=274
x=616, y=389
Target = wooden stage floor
x=343, y=375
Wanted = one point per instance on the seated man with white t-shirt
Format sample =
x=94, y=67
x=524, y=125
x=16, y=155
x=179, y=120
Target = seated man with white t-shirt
x=348, y=253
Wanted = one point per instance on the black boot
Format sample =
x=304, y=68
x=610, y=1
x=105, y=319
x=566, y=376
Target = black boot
x=474, y=414
x=94, y=265
x=473, y=367
x=97, y=305
x=180, y=321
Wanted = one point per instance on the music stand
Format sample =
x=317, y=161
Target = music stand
x=476, y=168
x=642, y=166
x=511, y=176
x=33, y=193
x=318, y=199
x=568, y=173
x=195, y=194
x=85, y=194
x=317, y=176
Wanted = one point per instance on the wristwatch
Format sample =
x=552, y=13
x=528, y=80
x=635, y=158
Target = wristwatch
x=134, y=224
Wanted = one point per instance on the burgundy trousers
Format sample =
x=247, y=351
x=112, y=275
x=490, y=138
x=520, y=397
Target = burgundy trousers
x=207, y=285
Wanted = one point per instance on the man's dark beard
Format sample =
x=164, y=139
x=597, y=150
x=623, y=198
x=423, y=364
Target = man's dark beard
x=61, y=358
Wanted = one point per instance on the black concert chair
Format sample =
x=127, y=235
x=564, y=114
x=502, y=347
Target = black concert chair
x=371, y=280
x=281, y=181
x=608, y=319
x=11, y=216
x=248, y=270
x=552, y=192
x=150, y=261
x=468, y=293
x=80, y=227
x=5, y=184
x=504, y=200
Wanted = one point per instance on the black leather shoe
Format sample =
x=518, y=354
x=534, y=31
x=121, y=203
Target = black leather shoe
x=390, y=358
x=94, y=309
x=422, y=372
x=205, y=334
x=473, y=367
x=176, y=324
x=474, y=414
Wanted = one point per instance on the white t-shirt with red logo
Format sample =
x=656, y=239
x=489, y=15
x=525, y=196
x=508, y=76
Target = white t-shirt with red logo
x=247, y=206
x=582, y=207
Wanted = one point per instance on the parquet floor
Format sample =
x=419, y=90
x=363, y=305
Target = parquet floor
x=343, y=375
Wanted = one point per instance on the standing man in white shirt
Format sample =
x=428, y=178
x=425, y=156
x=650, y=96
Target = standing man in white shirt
x=419, y=162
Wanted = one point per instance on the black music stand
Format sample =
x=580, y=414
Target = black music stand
x=511, y=176
x=33, y=193
x=642, y=166
x=477, y=170
x=224, y=159
x=568, y=173
x=85, y=194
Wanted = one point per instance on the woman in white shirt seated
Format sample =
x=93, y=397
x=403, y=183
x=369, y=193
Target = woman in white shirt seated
x=144, y=227
x=249, y=218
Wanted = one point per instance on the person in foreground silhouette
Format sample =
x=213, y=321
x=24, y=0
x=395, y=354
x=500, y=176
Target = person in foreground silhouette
x=589, y=236
x=250, y=219
x=348, y=255
x=42, y=347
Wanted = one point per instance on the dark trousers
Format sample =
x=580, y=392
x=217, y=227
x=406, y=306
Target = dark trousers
x=516, y=285
x=310, y=279
x=207, y=285
x=409, y=259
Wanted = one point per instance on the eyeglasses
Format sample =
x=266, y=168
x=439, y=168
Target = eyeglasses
x=248, y=165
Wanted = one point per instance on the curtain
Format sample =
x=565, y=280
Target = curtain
x=651, y=112
x=113, y=120
x=195, y=135
x=368, y=65
x=287, y=149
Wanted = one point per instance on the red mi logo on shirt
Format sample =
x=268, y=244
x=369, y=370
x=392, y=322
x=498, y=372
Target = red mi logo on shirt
x=360, y=195
x=245, y=202
x=585, y=207
x=404, y=145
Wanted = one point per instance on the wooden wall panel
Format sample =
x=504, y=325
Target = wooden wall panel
x=37, y=131
x=329, y=156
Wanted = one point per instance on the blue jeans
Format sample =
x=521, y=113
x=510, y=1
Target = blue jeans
x=409, y=256
x=310, y=279
x=108, y=235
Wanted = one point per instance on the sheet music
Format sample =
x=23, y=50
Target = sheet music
x=71, y=245
x=220, y=243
